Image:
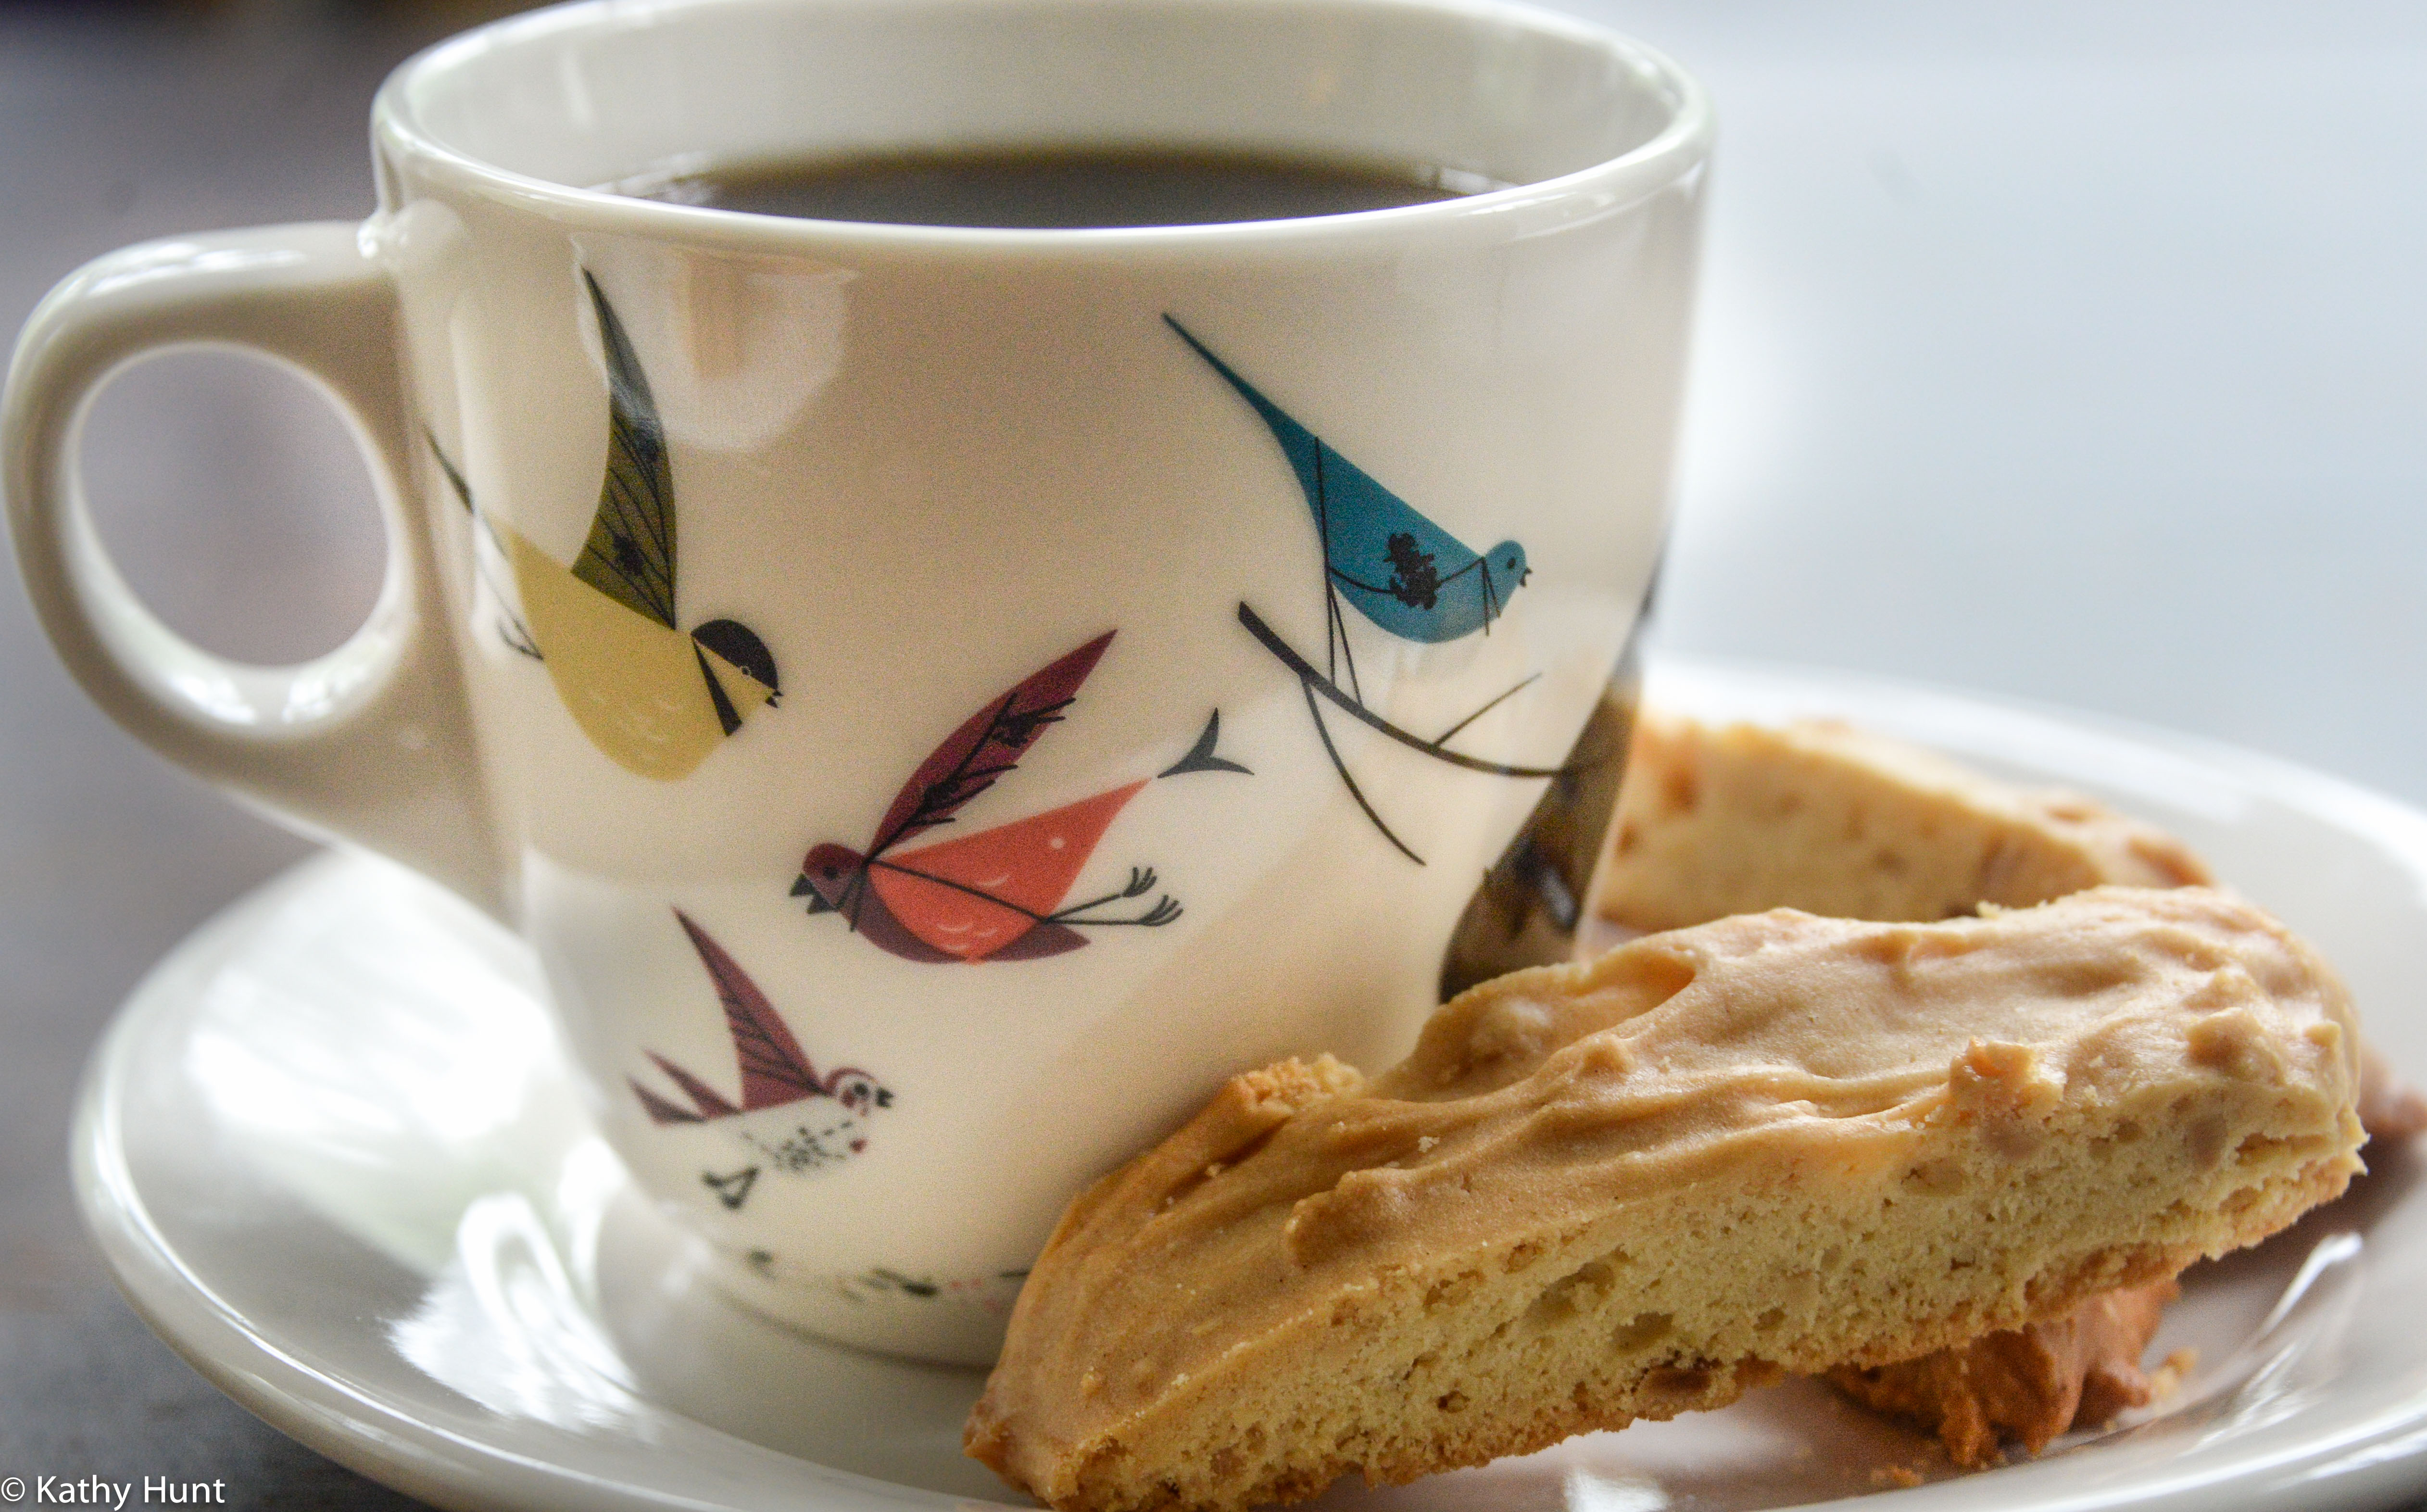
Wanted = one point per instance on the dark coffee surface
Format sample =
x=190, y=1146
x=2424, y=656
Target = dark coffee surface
x=1059, y=189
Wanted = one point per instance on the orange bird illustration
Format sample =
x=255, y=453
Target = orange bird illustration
x=995, y=895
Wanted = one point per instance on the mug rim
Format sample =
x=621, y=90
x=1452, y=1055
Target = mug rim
x=1675, y=151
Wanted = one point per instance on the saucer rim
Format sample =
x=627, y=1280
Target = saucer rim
x=214, y=1338
x=2378, y=1456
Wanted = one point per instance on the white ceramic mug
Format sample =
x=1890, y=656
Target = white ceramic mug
x=937, y=700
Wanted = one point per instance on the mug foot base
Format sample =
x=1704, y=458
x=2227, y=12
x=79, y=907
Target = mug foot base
x=933, y=1318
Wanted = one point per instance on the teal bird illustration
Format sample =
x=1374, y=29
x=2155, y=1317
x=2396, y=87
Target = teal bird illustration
x=1406, y=574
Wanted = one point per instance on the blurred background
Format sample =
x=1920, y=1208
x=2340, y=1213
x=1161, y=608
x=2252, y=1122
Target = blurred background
x=2071, y=351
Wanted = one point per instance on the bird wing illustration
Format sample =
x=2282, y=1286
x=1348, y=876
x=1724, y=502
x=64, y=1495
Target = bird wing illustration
x=1370, y=534
x=630, y=554
x=986, y=745
x=972, y=896
x=773, y=1069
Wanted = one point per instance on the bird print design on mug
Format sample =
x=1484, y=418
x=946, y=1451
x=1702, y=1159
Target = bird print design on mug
x=1403, y=574
x=997, y=895
x=826, y=1119
x=1400, y=570
x=652, y=699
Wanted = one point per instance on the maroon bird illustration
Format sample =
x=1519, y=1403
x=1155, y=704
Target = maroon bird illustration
x=827, y=1116
x=995, y=895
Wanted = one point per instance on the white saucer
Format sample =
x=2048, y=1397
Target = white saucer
x=333, y=1157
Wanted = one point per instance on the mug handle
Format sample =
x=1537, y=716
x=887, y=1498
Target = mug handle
x=371, y=743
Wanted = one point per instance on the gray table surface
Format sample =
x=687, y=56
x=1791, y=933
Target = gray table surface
x=2072, y=350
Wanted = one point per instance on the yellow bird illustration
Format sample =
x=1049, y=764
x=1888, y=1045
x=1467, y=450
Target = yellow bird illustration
x=654, y=700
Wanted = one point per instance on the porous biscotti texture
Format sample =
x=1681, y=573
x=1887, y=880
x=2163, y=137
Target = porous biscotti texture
x=1714, y=821
x=2027, y=1384
x=1633, y=1188
x=1717, y=821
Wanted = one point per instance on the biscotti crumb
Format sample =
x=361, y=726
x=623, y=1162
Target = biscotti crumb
x=2026, y=1385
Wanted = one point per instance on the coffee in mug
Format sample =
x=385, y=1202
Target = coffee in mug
x=1071, y=189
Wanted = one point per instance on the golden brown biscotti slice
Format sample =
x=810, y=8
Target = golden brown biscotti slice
x=1714, y=821
x=1633, y=1187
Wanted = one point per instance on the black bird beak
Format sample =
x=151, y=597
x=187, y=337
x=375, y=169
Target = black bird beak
x=817, y=904
x=726, y=715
